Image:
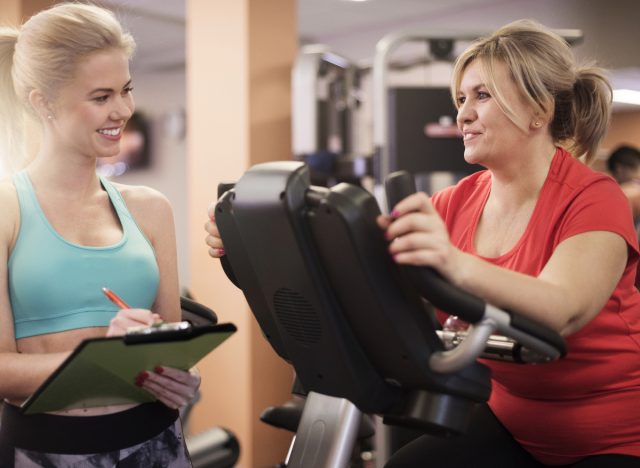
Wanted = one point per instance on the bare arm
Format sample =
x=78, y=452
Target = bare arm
x=570, y=291
x=21, y=373
x=153, y=213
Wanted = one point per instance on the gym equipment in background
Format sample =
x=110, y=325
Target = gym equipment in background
x=325, y=103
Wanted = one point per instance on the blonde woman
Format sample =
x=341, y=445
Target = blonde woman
x=65, y=233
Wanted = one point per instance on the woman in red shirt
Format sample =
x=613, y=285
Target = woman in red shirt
x=541, y=233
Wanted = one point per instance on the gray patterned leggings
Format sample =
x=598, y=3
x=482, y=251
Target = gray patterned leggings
x=149, y=435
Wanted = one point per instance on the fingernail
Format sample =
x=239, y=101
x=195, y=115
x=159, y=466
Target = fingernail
x=395, y=214
x=142, y=376
x=158, y=370
x=221, y=251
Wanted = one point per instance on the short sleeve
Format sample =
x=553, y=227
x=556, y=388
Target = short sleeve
x=441, y=200
x=600, y=206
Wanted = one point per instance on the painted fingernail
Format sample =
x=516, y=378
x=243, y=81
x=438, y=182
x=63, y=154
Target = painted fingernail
x=142, y=376
x=221, y=251
x=158, y=370
x=395, y=214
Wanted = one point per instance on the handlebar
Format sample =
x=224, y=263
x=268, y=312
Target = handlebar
x=539, y=342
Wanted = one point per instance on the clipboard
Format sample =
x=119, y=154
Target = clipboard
x=102, y=371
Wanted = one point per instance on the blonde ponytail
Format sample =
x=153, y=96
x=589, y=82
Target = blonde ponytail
x=592, y=111
x=19, y=130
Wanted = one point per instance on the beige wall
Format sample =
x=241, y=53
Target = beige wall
x=625, y=129
x=239, y=58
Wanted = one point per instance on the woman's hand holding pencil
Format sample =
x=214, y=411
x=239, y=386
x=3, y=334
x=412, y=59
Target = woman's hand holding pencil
x=128, y=318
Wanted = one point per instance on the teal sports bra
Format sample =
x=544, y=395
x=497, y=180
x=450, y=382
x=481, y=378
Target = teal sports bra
x=56, y=285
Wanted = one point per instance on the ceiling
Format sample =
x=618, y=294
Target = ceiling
x=352, y=29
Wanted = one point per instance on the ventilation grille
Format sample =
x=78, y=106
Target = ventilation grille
x=297, y=316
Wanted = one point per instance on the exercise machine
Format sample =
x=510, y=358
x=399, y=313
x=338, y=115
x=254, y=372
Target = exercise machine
x=315, y=270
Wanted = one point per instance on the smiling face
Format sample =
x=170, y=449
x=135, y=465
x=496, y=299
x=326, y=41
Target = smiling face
x=91, y=110
x=490, y=136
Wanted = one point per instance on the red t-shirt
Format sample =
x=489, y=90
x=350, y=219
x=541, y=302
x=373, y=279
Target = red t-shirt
x=588, y=402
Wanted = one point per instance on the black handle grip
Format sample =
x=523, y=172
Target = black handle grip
x=431, y=285
x=224, y=187
x=449, y=298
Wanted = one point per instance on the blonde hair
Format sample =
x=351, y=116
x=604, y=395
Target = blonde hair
x=43, y=55
x=576, y=99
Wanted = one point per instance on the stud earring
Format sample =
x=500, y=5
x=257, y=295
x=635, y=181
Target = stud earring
x=50, y=117
x=537, y=123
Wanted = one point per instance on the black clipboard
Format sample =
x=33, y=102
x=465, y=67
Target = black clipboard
x=102, y=371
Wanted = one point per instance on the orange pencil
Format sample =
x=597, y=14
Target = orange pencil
x=113, y=297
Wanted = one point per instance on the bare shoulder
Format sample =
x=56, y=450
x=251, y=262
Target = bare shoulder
x=150, y=207
x=143, y=197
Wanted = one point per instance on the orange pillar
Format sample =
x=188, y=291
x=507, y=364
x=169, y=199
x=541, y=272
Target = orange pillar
x=16, y=12
x=239, y=59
